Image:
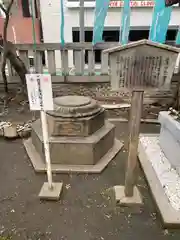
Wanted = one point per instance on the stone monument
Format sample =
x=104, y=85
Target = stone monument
x=80, y=138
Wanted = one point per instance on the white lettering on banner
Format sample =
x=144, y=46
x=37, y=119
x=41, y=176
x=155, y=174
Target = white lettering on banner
x=39, y=92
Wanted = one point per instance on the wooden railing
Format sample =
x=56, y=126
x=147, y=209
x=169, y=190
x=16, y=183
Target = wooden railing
x=77, y=73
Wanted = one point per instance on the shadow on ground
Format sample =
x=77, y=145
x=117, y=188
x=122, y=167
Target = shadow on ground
x=83, y=212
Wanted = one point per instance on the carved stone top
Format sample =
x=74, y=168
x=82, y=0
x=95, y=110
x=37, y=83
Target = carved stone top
x=74, y=107
x=72, y=101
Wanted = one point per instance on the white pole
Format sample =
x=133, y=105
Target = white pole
x=46, y=148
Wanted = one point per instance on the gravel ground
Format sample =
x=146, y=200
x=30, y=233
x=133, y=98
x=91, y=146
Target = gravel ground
x=83, y=212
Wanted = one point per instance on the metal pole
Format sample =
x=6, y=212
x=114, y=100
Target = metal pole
x=81, y=32
x=135, y=120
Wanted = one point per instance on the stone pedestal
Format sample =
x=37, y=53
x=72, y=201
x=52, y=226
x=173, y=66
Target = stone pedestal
x=80, y=139
x=159, y=158
x=163, y=180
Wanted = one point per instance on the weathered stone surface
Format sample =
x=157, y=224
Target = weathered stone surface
x=40, y=166
x=72, y=101
x=59, y=126
x=149, y=153
x=78, y=133
x=74, y=107
x=76, y=150
x=75, y=116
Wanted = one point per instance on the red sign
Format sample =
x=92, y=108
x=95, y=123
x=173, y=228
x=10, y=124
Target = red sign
x=132, y=4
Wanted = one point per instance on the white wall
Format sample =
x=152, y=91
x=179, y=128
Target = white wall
x=50, y=14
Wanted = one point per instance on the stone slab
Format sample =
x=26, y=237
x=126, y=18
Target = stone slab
x=170, y=216
x=170, y=147
x=118, y=197
x=40, y=166
x=168, y=122
x=169, y=138
x=51, y=194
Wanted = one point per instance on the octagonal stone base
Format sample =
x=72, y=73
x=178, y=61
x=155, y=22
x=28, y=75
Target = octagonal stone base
x=79, y=138
x=40, y=166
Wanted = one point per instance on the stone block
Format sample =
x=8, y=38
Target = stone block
x=52, y=194
x=76, y=150
x=40, y=166
x=156, y=169
x=86, y=126
x=169, y=139
x=117, y=197
x=79, y=137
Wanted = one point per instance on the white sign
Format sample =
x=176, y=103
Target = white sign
x=39, y=92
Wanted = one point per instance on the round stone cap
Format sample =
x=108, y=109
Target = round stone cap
x=72, y=101
x=74, y=107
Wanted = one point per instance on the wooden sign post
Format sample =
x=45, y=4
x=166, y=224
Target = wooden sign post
x=134, y=124
x=136, y=67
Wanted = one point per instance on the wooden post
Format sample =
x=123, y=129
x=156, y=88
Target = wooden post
x=135, y=120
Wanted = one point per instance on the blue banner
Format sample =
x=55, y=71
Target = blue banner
x=160, y=22
x=100, y=16
x=125, y=23
x=62, y=22
x=178, y=36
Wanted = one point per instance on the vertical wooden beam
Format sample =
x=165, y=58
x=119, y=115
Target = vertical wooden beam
x=135, y=120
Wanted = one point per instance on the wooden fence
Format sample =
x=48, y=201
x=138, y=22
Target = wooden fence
x=80, y=74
